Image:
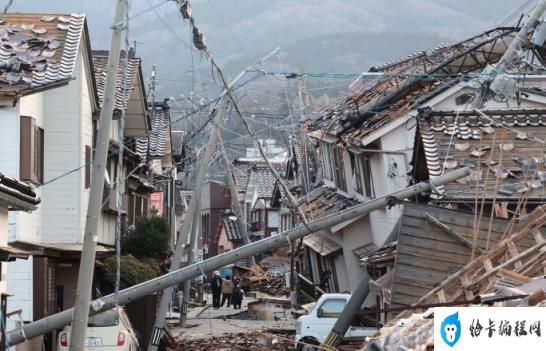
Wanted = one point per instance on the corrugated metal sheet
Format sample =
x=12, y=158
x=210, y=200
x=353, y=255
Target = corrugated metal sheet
x=427, y=255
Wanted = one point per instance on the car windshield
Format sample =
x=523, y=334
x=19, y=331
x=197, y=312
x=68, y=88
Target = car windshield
x=108, y=318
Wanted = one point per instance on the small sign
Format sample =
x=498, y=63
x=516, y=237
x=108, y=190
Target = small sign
x=489, y=328
x=155, y=202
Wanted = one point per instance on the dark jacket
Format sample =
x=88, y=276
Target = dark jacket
x=216, y=284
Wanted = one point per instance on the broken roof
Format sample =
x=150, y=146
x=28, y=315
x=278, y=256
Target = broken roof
x=100, y=65
x=408, y=82
x=324, y=201
x=38, y=51
x=17, y=195
x=450, y=139
x=229, y=221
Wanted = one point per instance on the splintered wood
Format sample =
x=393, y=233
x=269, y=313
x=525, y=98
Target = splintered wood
x=479, y=276
x=260, y=280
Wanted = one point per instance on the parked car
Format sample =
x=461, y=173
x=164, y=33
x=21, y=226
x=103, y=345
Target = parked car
x=107, y=331
x=313, y=328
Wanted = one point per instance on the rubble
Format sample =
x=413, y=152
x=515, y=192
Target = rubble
x=257, y=278
x=251, y=341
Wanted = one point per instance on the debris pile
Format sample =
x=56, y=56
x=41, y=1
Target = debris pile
x=257, y=278
x=252, y=341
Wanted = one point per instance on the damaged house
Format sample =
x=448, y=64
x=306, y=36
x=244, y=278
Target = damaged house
x=373, y=142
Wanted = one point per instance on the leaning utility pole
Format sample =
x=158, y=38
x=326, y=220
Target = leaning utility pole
x=241, y=222
x=166, y=297
x=59, y=320
x=191, y=257
x=291, y=198
x=87, y=263
x=513, y=51
x=343, y=322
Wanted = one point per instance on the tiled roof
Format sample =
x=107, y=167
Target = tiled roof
x=158, y=137
x=17, y=195
x=100, y=63
x=394, y=95
x=241, y=172
x=141, y=147
x=38, y=50
x=519, y=132
x=229, y=222
x=264, y=180
x=324, y=201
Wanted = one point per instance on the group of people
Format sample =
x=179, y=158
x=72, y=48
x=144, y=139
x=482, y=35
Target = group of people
x=228, y=289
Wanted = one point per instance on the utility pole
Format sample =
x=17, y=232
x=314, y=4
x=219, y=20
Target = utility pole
x=510, y=54
x=87, y=263
x=166, y=297
x=59, y=320
x=241, y=219
x=344, y=320
x=186, y=225
x=191, y=259
x=291, y=198
x=173, y=207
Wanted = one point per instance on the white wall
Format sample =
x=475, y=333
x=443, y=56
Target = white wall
x=3, y=242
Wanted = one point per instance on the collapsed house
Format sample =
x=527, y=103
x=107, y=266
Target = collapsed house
x=410, y=125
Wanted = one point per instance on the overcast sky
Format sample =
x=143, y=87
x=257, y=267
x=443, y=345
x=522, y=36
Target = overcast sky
x=239, y=31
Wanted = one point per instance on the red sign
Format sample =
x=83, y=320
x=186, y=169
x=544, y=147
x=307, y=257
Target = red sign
x=155, y=202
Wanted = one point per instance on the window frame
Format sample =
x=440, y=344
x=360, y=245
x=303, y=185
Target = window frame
x=31, y=150
x=326, y=157
x=339, y=169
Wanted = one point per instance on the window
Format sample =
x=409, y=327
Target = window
x=362, y=175
x=339, y=169
x=357, y=173
x=273, y=219
x=331, y=308
x=87, y=167
x=31, y=151
x=108, y=318
x=285, y=221
x=255, y=217
x=367, y=176
x=326, y=161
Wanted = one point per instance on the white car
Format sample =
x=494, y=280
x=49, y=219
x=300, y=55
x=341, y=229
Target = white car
x=313, y=328
x=107, y=331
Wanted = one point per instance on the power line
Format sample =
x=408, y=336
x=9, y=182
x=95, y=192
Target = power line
x=167, y=27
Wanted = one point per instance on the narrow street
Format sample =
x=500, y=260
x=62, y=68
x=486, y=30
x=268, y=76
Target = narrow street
x=345, y=175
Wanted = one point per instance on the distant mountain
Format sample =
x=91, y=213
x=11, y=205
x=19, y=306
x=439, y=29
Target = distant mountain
x=318, y=35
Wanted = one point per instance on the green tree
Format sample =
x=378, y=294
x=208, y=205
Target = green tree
x=132, y=270
x=149, y=239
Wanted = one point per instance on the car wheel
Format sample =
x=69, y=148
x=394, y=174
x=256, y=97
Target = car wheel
x=308, y=345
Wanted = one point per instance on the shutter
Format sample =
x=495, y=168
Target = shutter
x=26, y=162
x=87, y=166
x=38, y=155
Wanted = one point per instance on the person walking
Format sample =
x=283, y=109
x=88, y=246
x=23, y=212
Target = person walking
x=216, y=287
x=237, y=296
x=227, y=290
